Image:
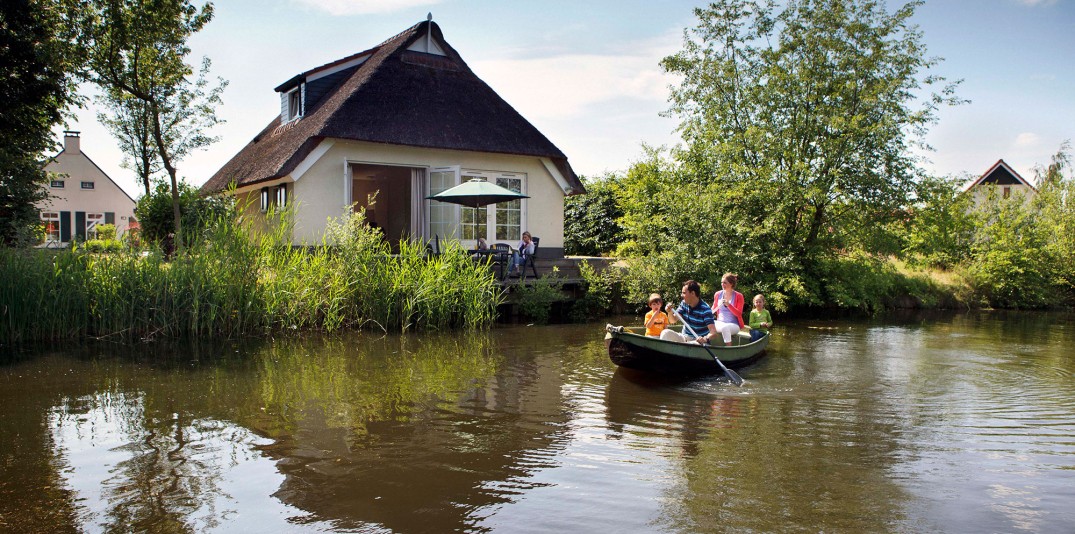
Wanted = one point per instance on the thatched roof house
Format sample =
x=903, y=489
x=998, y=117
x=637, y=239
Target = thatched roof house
x=402, y=120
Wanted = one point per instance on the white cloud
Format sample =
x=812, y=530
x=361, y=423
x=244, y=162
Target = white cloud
x=1027, y=139
x=570, y=85
x=1035, y=3
x=567, y=85
x=362, y=7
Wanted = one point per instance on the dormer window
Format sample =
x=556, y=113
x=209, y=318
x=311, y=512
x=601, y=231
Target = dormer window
x=294, y=104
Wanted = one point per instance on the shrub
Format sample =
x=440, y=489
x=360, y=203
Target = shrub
x=103, y=246
x=1011, y=263
x=591, y=220
x=535, y=300
x=154, y=213
x=106, y=232
x=598, y=290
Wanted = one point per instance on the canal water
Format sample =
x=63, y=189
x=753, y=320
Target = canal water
x=938, y=423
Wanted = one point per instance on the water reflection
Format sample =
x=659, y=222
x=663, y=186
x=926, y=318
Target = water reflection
x=916, y=423
x=132, y=471
x=423, y=437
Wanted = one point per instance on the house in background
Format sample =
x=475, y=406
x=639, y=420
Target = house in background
x=1006, y=181
x=81, y=196
x=399, y=122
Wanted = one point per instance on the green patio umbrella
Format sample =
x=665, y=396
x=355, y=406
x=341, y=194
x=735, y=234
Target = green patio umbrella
x=476, y=193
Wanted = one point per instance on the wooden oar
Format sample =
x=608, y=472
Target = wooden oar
x=735, y=378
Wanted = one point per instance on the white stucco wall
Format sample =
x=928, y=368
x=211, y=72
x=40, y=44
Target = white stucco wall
x=980, y=193
x=319, y=187
x=105, y=196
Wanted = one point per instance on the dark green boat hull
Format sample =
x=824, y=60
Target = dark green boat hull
x=628, y=347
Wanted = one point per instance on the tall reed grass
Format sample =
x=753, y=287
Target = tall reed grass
x=234, y=282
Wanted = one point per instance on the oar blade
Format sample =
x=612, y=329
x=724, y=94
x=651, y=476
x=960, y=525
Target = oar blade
x=734, y=377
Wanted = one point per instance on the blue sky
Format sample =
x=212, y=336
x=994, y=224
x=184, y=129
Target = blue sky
x=586, y=73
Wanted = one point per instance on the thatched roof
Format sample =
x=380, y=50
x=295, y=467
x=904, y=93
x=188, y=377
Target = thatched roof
x=400, y=97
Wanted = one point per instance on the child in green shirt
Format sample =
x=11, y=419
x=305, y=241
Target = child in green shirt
x=760, y=320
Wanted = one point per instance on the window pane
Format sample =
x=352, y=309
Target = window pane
x=92, y=220
x=474, y=222
x=440, y=214
x=509, y=214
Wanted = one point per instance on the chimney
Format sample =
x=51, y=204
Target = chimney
x=71, y=143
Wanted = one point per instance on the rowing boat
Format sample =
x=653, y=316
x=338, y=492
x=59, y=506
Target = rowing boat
x=629, y=347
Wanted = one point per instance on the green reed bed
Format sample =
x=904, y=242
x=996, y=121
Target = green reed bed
x=233, y=284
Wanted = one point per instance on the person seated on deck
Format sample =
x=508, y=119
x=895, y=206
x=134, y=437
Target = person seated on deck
x=695, y=313
x=656, y=319
x=518, y=257
x=729, y=305
x=760, y=319
x=479, y=247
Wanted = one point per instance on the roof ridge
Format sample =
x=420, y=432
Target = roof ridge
x=412, y=28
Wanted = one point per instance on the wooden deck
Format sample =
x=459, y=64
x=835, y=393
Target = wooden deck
x=566, y=269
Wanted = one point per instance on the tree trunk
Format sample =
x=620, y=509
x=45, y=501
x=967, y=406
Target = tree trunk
x=815, y=227
x=166, y=160
x=145, y=172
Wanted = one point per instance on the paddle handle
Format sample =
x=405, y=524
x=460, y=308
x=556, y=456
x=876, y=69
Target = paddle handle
x=735, y=378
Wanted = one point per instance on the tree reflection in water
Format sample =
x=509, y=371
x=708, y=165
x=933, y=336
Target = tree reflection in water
x=353, y=432
x=135, y=472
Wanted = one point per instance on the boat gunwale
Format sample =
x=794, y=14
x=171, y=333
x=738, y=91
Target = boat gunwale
x=694, y=351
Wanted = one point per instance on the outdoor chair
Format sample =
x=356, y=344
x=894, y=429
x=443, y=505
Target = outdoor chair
x=529, y=260
x=501, y=256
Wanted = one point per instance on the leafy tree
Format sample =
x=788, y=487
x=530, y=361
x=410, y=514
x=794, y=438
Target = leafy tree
x=591, y=220
x=138, y=49
x=1053, y=174
x=154, y=212
x=1011, y=264
x=129, y=121
x=798, y=120
x=1055, y=206
x=39, y=66
x=1021, y=248
x=940, y=229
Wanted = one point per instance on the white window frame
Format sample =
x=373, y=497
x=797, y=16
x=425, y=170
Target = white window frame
x=281, y=196
x=491, y=210
x=92, y=220
x=53, y=218
x=264, y=199
x=450, y=211
x=88, y=186
x=294, y=103
x=56, y=184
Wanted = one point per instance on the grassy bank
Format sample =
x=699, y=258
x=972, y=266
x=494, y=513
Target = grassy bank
x=231, y=284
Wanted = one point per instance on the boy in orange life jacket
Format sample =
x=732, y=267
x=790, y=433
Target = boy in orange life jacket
x=656, y=319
